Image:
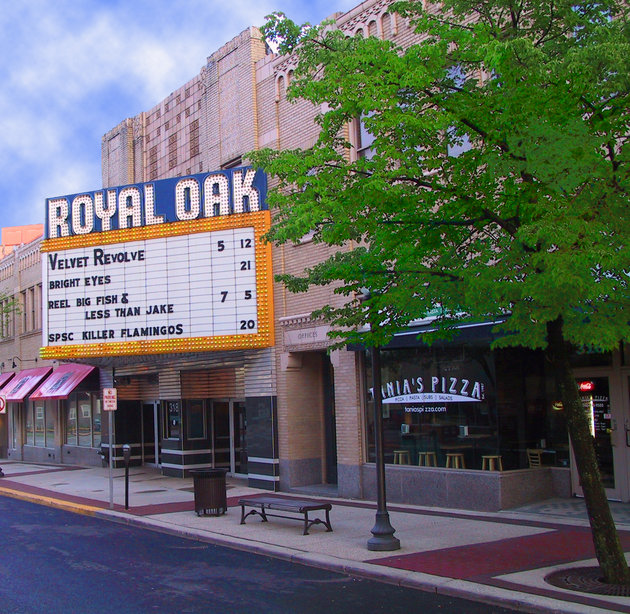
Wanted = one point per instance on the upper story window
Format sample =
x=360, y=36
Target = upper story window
x=7, y=318
x=457, y=142
x=24, y=310
x=234, y=163
x=31, y=308
x=364, y=140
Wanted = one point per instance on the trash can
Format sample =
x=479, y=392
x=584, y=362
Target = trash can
x=209, y=487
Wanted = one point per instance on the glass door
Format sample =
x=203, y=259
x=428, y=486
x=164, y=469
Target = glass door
x=238, y=444
x=229, y=427
x=150, y=434
x=220, y=430
x=603, y=404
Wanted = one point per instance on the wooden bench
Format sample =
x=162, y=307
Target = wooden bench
x=279, y=504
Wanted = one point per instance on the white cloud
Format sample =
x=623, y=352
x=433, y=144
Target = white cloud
x=72, y=70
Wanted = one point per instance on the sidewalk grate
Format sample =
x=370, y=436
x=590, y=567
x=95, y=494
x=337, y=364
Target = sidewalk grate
x=586, y=580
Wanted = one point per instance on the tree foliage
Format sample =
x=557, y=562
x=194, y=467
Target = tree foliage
x=498, y=179
x=496, y=185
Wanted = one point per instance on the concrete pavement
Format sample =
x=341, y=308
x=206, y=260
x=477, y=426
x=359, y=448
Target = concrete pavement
x=499, y=558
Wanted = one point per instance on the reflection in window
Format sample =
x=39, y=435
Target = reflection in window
x=14, y=430
x=50, y=415
x=457, y=142
x=29, y=427
x=196, y=418
x=364, y=140
x=444, y=402
x=71, y=421
x=83, y=420
x=96, y=421
x=40, y=424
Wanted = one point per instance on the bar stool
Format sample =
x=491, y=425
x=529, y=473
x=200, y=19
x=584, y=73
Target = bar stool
x=427, y=459
x=490, y=462
x=402, y=457
x=534, y=457
x=455, y=460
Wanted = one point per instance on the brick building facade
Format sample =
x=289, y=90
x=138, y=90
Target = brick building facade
x=238, y=103
x=294, y=415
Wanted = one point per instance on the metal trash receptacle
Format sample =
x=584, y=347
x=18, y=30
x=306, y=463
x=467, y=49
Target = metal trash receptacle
x=210, y=491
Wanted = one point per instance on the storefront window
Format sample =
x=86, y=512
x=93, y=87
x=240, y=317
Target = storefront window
x=453, y=405
x=84, y=419
x=14, y=428
x=71, y=421
x=96, y=420
x=196, y=420
x=50, y=415
x=29, y=427
x=39, y=409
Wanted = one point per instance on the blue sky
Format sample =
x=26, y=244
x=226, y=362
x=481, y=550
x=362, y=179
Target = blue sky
x=71, y=70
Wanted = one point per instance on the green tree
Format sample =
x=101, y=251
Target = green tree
x=496, y=184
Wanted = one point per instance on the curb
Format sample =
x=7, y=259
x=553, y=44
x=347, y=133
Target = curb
x=77, y=508
x=447, y=587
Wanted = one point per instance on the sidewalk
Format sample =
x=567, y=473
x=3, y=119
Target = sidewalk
x=499, y=558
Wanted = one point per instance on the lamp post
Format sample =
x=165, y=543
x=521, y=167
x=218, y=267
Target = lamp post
x=382, y=533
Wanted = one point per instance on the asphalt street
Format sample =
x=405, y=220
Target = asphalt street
x=53, y=561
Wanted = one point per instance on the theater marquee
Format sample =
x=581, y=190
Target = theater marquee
x=175, y=265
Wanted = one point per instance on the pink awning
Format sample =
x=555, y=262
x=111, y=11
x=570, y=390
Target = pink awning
x=5, y=377
x=24, y=382
x=62, y=382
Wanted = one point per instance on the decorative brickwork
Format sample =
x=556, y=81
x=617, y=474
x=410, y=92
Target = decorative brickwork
x=235, y=104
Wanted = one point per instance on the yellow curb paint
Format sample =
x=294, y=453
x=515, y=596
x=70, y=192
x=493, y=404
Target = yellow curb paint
x=77, y=508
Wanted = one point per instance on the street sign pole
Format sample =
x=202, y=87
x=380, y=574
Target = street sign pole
x=110, y=403
x=111, y=462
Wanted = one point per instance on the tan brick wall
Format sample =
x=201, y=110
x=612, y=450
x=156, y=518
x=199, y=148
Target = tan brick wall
x=292, y=125
x=300, y=417
x=204, y=124
x=235, y=104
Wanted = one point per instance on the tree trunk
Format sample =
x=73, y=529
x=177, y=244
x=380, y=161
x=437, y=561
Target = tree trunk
x=608, y=548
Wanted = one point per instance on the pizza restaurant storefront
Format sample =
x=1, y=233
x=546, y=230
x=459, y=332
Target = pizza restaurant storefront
x=469, y=427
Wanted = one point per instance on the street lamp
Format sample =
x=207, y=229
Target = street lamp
x=14, y=365
x=382, y=533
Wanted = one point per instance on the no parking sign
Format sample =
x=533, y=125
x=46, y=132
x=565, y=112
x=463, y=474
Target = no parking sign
x=3, y=404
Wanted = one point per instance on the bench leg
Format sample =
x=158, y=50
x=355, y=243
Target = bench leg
x=308, y=523
x=327, y=523
x=262, y=514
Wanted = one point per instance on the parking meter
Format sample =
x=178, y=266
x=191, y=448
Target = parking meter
x=126, y=454
x=126, y=458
